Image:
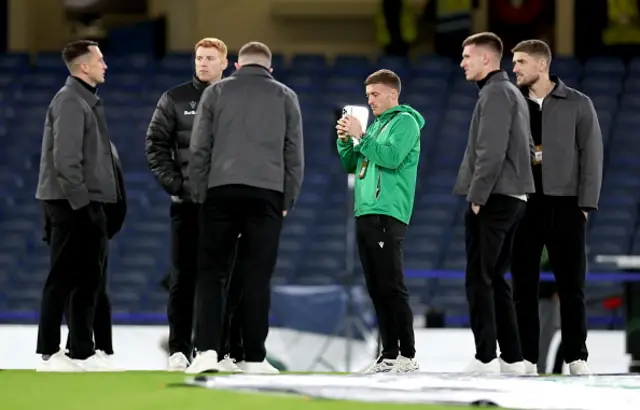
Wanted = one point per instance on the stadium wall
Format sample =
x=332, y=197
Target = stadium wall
x=438, y=350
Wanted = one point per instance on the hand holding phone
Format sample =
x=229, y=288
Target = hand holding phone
x=342, y=134
x=356, y=119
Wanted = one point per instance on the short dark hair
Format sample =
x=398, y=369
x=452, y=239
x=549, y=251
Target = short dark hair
x=386, y=77
x=485, y=39
x=76, y=49
x=255, y=48
x=536, y=48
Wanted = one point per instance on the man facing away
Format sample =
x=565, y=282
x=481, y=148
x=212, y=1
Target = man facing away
x=385, y=161
x=495, y=177
x=167, y=152
x=77, y=178
x=246, y=170
x=567, y=170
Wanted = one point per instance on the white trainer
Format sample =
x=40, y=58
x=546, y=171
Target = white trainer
x=59, y=362
x=380, y=365
x=178, y=362
x=530, y=369
x=405, y=365
x=95, y=363
x=579, y=368
x=204, y=362
x=263, y=367
x=478, y=367
x=515, y=368
x=109, y=361
x=227, y=364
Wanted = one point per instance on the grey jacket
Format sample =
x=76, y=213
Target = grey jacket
x=572, y=151
x=76, y=162
x=247, y=131
x=497, y=159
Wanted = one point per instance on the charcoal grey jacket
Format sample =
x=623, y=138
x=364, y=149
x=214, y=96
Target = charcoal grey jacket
x=247, y=131
x=572, y=149
x=497, y=159
x=76, y=163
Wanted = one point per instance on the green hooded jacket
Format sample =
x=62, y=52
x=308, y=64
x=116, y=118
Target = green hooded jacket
x=392, y=147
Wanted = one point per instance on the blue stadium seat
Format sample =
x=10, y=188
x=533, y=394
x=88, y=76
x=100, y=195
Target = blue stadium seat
x=605, y=66
x=566, y=67
x=15, y=63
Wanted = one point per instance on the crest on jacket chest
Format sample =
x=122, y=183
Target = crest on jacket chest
x=191, y=110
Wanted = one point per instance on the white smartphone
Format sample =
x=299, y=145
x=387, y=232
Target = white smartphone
x=361, y=112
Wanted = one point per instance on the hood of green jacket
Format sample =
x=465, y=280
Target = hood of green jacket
x=403, y=108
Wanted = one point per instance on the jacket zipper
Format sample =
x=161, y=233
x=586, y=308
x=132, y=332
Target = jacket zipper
x=379, y=180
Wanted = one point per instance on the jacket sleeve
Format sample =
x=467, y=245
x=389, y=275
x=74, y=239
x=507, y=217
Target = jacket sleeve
x=348, y=155
x=403, y=135
x=293, y=152
x=160, y=145
x=68, y=141
x=201, y=146
x=116, y=212
x=590, y=156
x=491, y=144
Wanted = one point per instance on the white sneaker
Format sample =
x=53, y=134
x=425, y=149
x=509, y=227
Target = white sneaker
x=380, y=365
x=477, y=367
x=579, y=368
x=227, y=364
x=59, y=362
x=516, y=368
x=204, y=362
x=263, y=367
x=107, y=359
x=405, y=365
x=95, y=363
x=530, y=369
x=178, y=362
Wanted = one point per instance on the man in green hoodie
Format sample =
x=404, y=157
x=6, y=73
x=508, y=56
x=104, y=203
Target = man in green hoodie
x=384, y=160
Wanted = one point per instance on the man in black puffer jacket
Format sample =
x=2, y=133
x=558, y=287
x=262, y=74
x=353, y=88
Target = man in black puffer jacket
x=167, y=152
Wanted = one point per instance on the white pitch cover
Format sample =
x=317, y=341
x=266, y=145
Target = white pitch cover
x=619, y=392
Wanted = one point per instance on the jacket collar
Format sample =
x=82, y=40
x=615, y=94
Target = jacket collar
x=498, y=75
x=82, y=91
x=197, y=84
x=560, y=90
x=252, y=70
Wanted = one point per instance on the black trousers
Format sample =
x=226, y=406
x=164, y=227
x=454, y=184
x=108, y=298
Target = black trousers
x=380, y=242
x=488, y=241
x=77, y=247
x=182, y=281
x=185, y=219
x=256, y=214
x=102, y=325
x=233, y=321
x=557, y=363
x=558, y=223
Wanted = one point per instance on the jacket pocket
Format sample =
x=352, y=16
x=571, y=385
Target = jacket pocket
x=378, y=184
